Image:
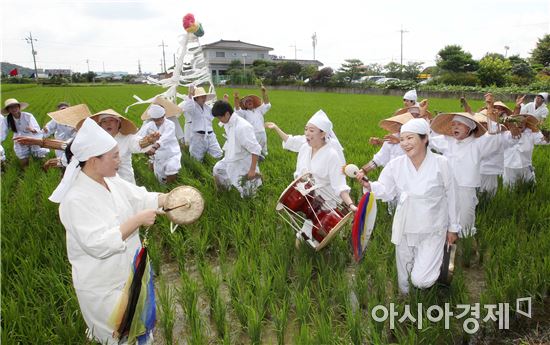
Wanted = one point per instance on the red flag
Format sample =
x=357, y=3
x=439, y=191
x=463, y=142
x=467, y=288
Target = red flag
x=13, y=72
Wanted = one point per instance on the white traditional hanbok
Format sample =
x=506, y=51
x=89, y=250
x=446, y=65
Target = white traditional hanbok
x=26, y=121
x=92, y=214
x=256, y=118
x=167, y=159
x=530, y=108
x=426, y=210
x=60, y=132
x=202, y=138
x=518, y=155
x=241, y=144
x=387, y=152
x=3, y=136
x=465, y=158
x=127, y=145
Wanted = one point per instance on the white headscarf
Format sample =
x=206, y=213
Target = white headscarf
x=544, y=96
x=321, y=121
x=418, y=126
x=470, y=123
x=410, y=95
x=156, y=111
x=90, y=141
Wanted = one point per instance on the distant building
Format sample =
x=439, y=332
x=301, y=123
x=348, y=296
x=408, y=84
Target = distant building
x=111, y=75
x=220, y=54
x=58, y=72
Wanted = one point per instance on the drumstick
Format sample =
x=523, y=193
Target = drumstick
x=173, y=208
x=351, y=170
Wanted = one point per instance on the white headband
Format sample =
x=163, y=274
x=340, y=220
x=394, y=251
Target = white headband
x=410, y=95
x=156, y=111
x=470, y=123
x=104, y=116
x=90, y=141
x=418, y=126
x=321, y=121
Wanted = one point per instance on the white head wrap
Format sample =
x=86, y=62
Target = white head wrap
x=321, y=121
x=410, y=95
x=544, y=96
x=104, y=116
x=470, y=123
x=418, y=126
x=155, y=111
x=90, y=141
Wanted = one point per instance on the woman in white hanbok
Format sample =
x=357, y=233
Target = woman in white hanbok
x=102, y=214
x=426, y=214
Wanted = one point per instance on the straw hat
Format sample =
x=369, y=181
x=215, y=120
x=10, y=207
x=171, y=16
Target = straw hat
x=442, y=124
x=170, y=108
x=256, y=101
x=199, y=91
x=126, y=126
x=531, y=122
x=71, y=116
x=501, y=105
x=13, y=101
x=408, y=110
x=394, y=123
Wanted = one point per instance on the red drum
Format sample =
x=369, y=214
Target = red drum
x=301, y=206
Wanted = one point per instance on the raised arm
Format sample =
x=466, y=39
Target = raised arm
x=265, y=97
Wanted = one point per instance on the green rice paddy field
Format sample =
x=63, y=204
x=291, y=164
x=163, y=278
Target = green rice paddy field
x=235, y=277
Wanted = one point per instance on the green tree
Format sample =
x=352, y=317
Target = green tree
x=263, y=69
x=494, y=71
x=411, y=70
x=322, y=77
x=522, y=73
x=288, y=69
x=541, y=53
x=308, y=72
x=393, y=70
x=453, y=59
x=352, y=68
x=373, y=69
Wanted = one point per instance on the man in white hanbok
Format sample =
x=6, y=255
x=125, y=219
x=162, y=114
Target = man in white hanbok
x=537, y=107
x=465, y=143
x=426, y=214
x=202, y=139
x=239, y=166
x=3, y=135
x=254, y=114
x=60, y=132
x=102, y=215
x=166, y=151
x=129, y=141
x=519, y=143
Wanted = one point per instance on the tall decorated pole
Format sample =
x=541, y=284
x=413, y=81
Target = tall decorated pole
x=191, y=67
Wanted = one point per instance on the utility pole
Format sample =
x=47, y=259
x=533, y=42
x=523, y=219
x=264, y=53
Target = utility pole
x=163, y=55
x=139, y=67
x=314, y=42
x=506, y=50
x=88, y=63
x=103, y=66
x=30, y=40
x=174, y=60
x=295, y=51
x=401, y=63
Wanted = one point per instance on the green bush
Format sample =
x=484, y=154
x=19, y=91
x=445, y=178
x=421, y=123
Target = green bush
x=458, y=78
x=494, y=71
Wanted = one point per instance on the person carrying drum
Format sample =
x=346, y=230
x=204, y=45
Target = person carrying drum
x=323, y=157
x=426, y=215
x=239, y=166
x=102, y=214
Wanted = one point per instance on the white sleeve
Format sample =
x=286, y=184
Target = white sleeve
x=3, y=129
x=538, y=139
x=51, y=126
x=264, y=108
x=337, y=177
x=294, y=142
x=168, y=133
x=188, y=105
x=450, y=190
x=34, y=124
x=439, y=142
x=247, y=139
x=139, y=197
x=385, y=188
x=382, y=157
x=134, y=143
x=488, y=144
x=93, y=235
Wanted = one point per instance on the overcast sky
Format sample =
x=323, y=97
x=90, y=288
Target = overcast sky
x=118, y=33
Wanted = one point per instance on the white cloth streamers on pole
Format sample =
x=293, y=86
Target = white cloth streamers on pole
x=191, y=69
